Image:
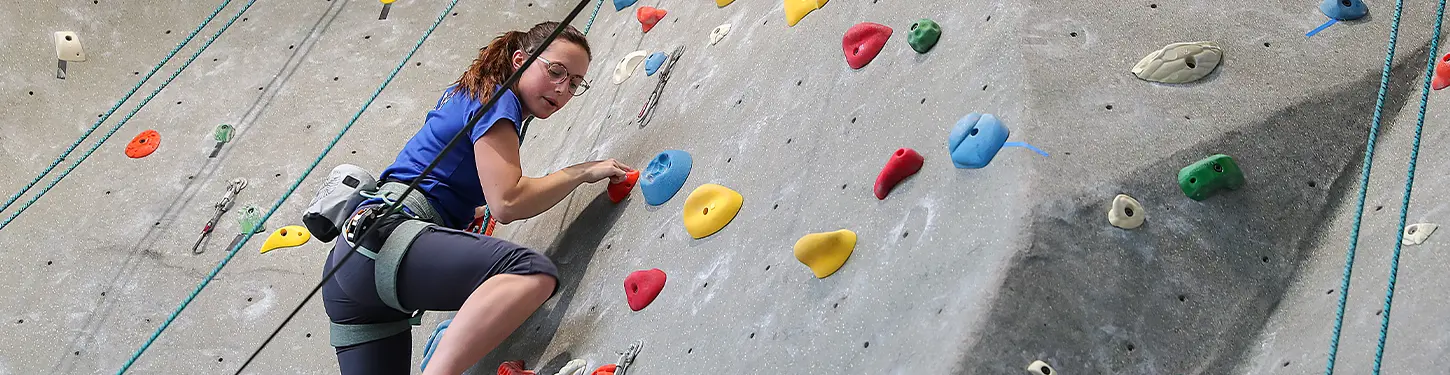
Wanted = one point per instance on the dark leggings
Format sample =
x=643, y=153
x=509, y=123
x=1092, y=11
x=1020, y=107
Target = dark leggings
x=441, y=269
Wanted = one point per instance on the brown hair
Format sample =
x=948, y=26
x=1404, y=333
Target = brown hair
x=495, y=62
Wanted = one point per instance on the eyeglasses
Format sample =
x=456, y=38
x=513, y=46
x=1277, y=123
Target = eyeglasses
x=558, y=73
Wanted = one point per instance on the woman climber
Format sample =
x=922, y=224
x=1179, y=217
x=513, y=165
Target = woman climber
x=494, y=285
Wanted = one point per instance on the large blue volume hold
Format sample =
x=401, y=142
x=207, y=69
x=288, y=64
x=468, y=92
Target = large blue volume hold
x=975, y=140
x=621, y=4
x=653, y=62
x=664, y=176
x=1344, y=10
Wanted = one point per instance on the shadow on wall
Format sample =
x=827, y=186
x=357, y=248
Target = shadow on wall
x=574, y=250
x=1189, y=291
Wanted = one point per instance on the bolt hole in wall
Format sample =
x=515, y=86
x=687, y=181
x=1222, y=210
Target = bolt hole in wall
x=1154, y=6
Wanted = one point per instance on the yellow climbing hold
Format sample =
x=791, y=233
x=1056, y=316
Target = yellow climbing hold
x=709, y=208
x=288, y=236
x=387, y=1
x=795, y=10
x=825, y=252
x=723, y=3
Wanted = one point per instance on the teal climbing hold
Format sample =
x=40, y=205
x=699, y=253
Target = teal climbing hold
x=653, y=62
x=1344, y=10
x=621, y=4
x=664, y=176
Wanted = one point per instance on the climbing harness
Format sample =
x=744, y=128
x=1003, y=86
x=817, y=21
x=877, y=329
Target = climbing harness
x=646, y=112
x=123, y=121
x=278, y=204
x=221, y=208
x=1364, y=185
x=477, y=116
x=107, y=115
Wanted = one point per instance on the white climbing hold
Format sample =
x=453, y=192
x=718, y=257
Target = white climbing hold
x=1040, y=368
x=68, y=46
x=627, y=65
x=1126, y=213
x=719, y=33
x=1416, y=234
x=1180, y=62
x=575, y=367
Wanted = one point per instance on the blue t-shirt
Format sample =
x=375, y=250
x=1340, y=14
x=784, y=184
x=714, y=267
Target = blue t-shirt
x=453, y=185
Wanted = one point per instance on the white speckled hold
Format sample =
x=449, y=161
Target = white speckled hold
x=1180, y=62
x=1040, y=368
x=1126, y=213
x=1416, y=234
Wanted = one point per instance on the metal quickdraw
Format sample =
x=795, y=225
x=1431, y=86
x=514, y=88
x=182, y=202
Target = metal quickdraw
x=221, y=208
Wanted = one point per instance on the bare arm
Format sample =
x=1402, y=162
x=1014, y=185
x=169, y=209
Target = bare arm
x=512, y=196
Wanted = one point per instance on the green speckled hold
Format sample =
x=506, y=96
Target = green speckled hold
x=924, y=34
x=1207, y=177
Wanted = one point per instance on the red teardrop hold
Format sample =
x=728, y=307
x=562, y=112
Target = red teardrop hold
x=513, y=368
x=607, y=369
x=1442, y=73
x=618, y=191
x=641, y=287
x=649, y=16
x=863, y=41
x=904, y=163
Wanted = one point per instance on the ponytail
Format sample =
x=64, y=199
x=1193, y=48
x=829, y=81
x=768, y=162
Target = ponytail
x=495, y=61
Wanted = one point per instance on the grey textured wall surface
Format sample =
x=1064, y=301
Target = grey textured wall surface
x=958, y=271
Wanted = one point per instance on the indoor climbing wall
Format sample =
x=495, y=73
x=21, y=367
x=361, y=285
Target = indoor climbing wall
x=823, y=189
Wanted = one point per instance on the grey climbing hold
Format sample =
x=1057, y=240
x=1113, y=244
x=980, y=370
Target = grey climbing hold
x=1126, y=213
x=1416, y=234
x=574, y=367
x=1180, y=62
x=1040, y=368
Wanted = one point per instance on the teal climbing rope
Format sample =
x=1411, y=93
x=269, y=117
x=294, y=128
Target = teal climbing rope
x=587, y=25
x=113, y=109
x=278, y=204
x=1363, y=186
x=1409, y=186
x=126, y=119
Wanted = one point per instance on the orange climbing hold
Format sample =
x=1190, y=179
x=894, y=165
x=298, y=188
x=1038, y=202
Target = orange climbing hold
x=619, y=190
x=144, y=144
x=649, y=16
x=1442, y=73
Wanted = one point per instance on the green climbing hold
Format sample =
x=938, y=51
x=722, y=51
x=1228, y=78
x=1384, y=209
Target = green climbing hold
x=1207, y=177
x=223, y=133
x=924, y=34
x=249, y=219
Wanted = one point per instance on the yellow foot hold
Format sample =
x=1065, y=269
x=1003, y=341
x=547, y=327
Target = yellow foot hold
x=795, y=10
x=709, y=208
x=723, y=3
x=288, y=236
x=825, y=252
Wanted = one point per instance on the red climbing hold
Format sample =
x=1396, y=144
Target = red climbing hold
x=513, y=368
x=904, y=163
x=618, y=191
x=144, y=144
x=649, y=16
x=641, y=287
x=863, y=41
x=606, y=369
x=1442, y=73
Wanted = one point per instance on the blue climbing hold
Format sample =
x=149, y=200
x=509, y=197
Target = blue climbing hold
x=664, y=176
x=1344, y=10
x=432, y=344
x=975, y=140
x=653, y=62
x=621, y=4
